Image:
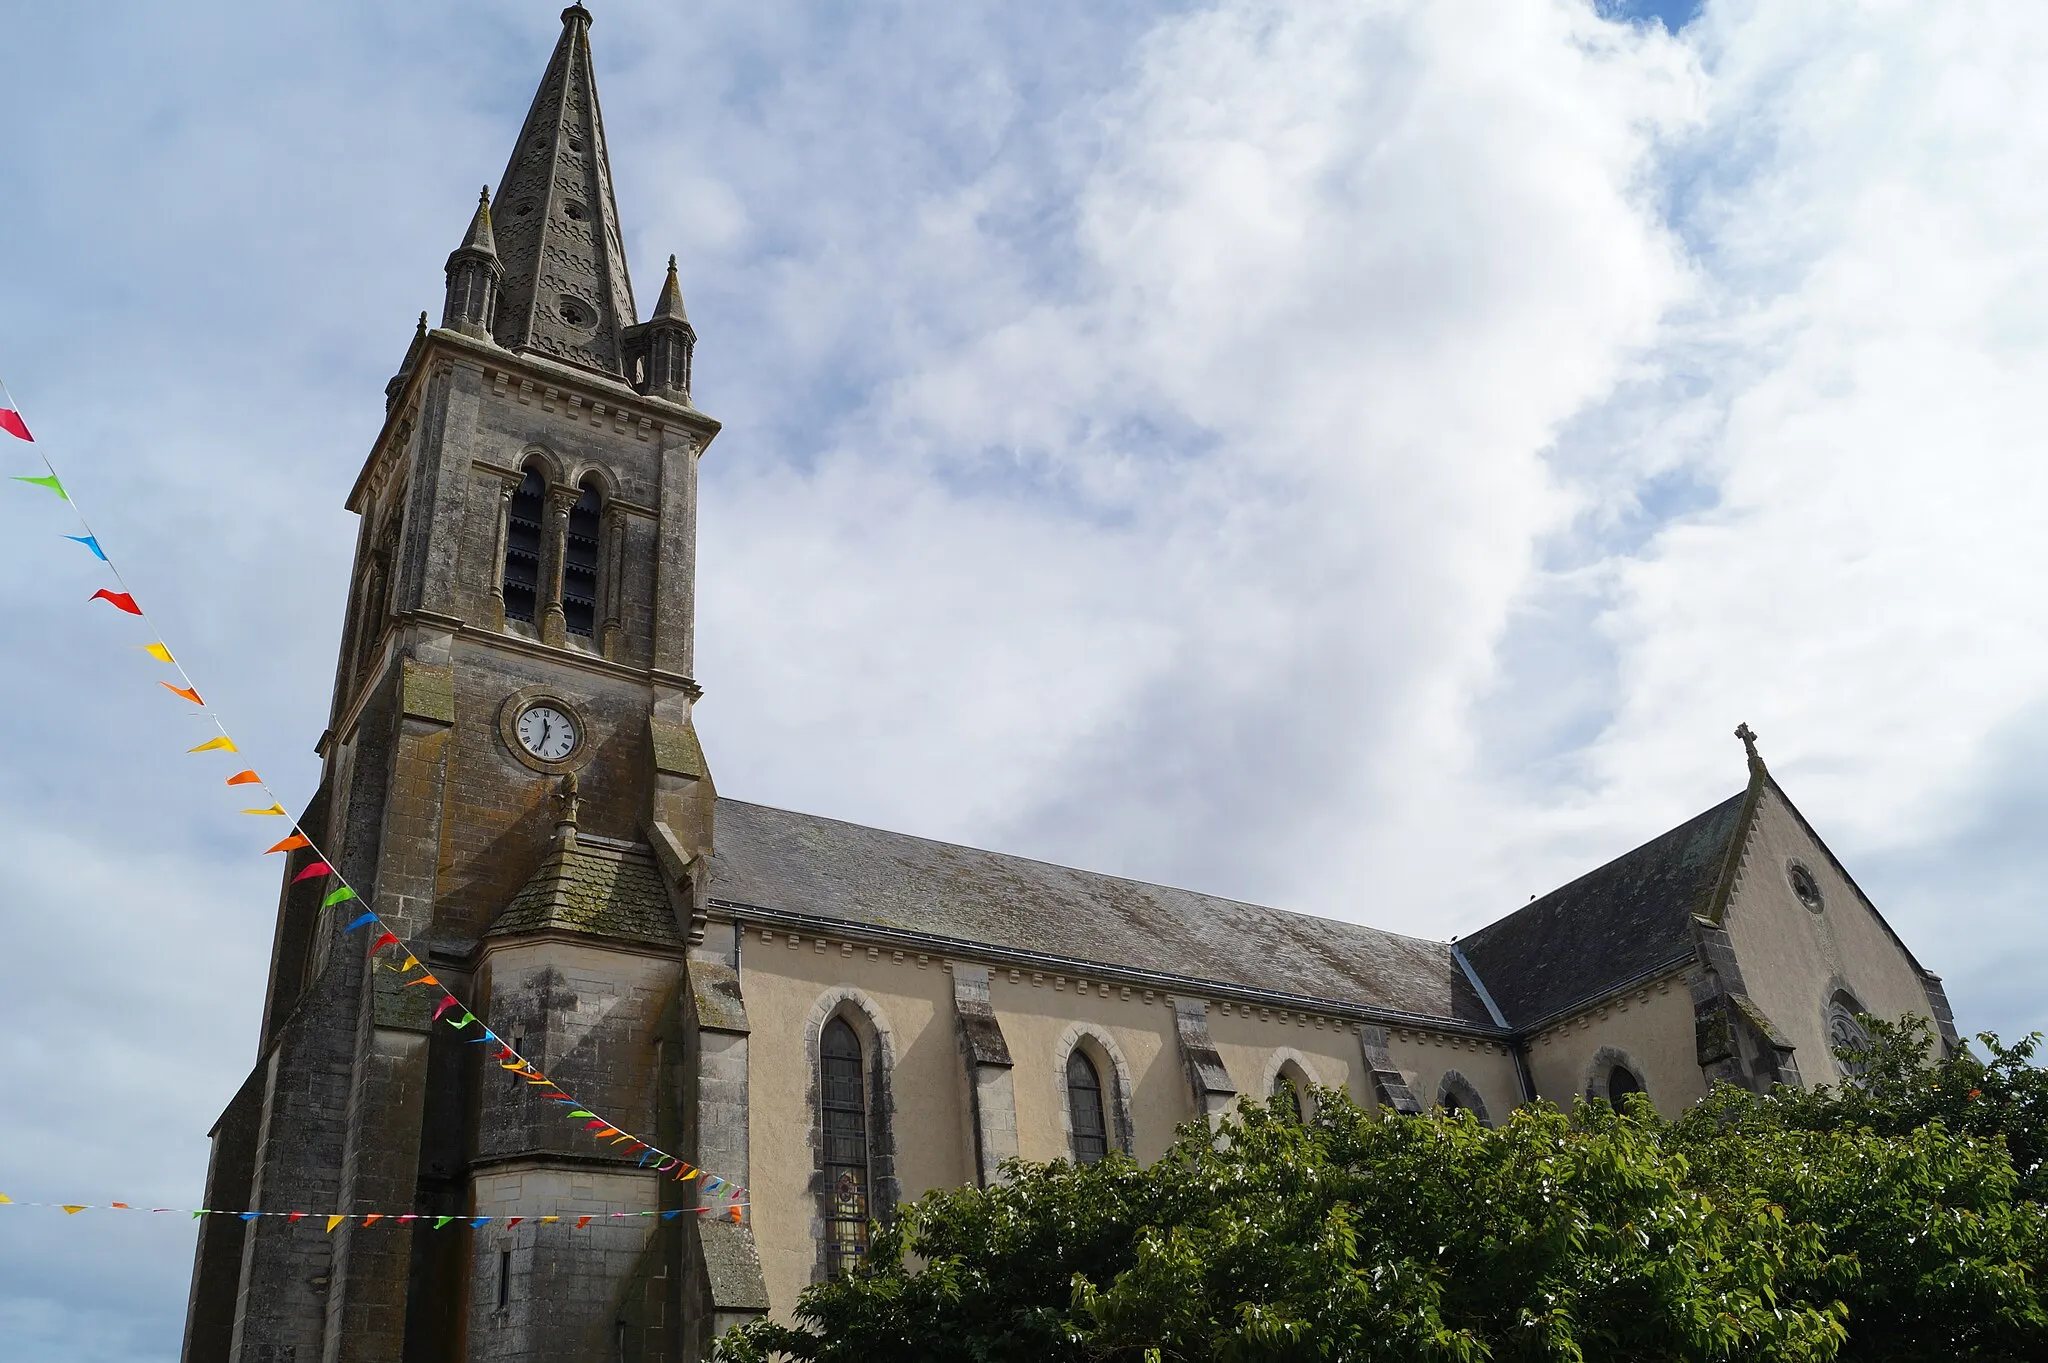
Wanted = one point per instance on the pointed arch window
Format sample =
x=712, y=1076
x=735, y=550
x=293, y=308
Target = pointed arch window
x=1084, y=1106
x=1289, y=1096
x=842, y=1092
x=522, y=549
x=579, y=562
x=1621, y=1082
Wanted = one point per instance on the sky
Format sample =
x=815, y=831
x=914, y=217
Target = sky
x=1363, y=456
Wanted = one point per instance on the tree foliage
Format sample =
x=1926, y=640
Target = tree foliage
x=1885, y=1222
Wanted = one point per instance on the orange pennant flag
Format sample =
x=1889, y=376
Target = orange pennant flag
x=245, y=778
x=187, y=692
x=274, y=809
x=221, y=744
x=158, y=652
x=120, y=1206
x=334, y=1221
x=373, y=1218
x=290, y=844
x=424, y=979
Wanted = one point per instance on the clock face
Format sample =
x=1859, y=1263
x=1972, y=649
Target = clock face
x=547, y=733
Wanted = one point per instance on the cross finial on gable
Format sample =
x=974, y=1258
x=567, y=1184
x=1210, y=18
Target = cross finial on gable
x=1748, y=737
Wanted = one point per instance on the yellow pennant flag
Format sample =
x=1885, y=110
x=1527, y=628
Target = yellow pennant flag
x=221, y=744
x=546, y=1219
x=70, y=1210
x=4, y=1199
x=334, y=1221
x=274, y=809
x=158, y=652
x=411, y=963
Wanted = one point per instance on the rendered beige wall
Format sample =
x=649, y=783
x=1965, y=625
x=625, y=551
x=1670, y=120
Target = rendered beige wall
x=1789, y=953
x=1653, y=1025
x=1038, y=1011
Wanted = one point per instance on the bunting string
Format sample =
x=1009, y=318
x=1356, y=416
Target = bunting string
x=427, y=1220
x=386, y=943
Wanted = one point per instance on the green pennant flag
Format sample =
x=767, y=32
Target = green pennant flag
x=340, y=896
x=441, y=1221
x=49, y=482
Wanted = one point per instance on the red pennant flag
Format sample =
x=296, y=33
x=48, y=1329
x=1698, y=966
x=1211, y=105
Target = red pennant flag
x=318, y=868
x=514, y=1221
x=581, y=1222
x=290, y=844
x=447, y=1002
x=592, y=1125
x=294, y=1218
x=189, y=694
x=389, y=939
x=120, y=601
x=11, y=422
x=245, y=778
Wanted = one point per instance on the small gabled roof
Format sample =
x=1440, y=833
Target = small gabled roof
x=800, y=863
x=1618, y=923
x=600, y=890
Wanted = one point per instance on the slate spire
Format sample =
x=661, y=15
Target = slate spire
x=566, y=293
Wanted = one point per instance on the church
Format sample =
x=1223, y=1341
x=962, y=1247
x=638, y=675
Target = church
x=836, y=1018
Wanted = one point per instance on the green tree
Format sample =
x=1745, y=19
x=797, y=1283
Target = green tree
x=1895, y=1219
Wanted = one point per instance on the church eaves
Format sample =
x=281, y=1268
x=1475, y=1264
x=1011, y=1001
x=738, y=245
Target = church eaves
x=566, y=291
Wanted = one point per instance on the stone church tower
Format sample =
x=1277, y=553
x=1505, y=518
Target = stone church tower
x=838, y=1018
x=511, y=777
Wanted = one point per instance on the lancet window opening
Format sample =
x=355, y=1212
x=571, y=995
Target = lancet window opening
x=580, y=560
x=1085, y=1108
x=842, y=1098
x=523, y=522
x=1285, y=1090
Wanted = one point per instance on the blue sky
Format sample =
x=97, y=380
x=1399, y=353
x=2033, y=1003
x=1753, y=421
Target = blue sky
x=1355, y=455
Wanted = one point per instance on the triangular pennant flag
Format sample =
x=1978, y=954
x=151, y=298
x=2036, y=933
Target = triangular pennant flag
x=226, y=744
x=120, y=1206
x=340, y=896
x=411, y=963
x=441, y=1221
x=120, y=601
x=447, y=1002
x=11, y=422
x=547, y=1219
x=424, y=979
x=50, y=483
x=158, y=652
x=408, y=1218
x=295, y=1218
x=480, y=1221
x=334, y=1221
x=318, y=868
x=249, y=1216
x=91, y=543
x=188, y=693
x=373, y=1218
x=733, y=1215
x=389, y=939
x=579, y=1113
x=70, y=1210
x=513, y=1221
x=463, y=1021
x=274, y=809
x=245, y=778
x=594, y=1123
x=670, y=1216
x=5, y=1199
x=366, y=918
x=581, y=1222
x=290, y=844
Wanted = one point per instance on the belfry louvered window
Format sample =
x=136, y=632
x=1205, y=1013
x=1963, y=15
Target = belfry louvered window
x=522, y=549
x=579, y=564
x=1084, y=1108
x=842, y=1090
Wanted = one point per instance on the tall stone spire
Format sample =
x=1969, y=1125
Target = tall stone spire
x=566, y=293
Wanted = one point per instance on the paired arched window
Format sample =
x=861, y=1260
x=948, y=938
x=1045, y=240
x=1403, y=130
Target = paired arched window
x=842, y=1090
x=579, y=563
x=1086, y=1109
x=523, y=520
